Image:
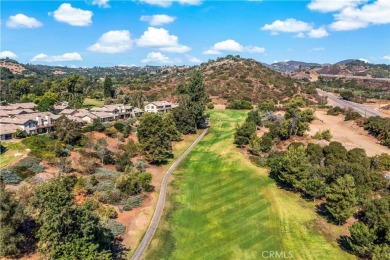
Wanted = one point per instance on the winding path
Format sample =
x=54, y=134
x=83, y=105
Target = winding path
x=161, y=201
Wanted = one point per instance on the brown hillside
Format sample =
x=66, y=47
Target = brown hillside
x=225, y=78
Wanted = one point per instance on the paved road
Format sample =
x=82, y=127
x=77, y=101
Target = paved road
x=161, y=201
x=353, y=77
x=362, y=109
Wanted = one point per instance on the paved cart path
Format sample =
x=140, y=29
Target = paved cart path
x=161, y=201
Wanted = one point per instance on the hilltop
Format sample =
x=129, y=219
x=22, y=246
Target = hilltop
x=226, y=78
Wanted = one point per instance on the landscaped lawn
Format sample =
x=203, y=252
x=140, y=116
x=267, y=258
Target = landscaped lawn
x=9, y=156
x=90, y=102
x=221, y=206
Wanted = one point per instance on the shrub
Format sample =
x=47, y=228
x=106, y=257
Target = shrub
x=9, y=176
x=110, y=132
x=210, y=105
x=132, y=202
x=119, y=126
x=95, y=126
x=107, y=212
x=106, y=174
x=123, y=161
x=335, y=111
x=323, y=135
x=115, y=227
x=90, y=204
x=105, y=186
x=239, y=104
x=352, y=115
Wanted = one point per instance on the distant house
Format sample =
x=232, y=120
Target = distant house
x=118, y=111
x=7, y=131
x=68, y=112
x=23, y=117
x=158, y=106
x=28, y=105
x=60, y=107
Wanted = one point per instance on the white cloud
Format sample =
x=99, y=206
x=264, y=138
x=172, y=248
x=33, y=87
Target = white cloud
x=193, y=59
x=300, y=35
x=254, y=49
x=158, y=19
x=289, y=25
x=232, y=46
x=161, y=39
x=211, y=52
x=157, y=57
x=365, y=60
x=318, y=33
x=101, y=3
x=168, y=3
x=332, y=5
x=176, y=49
x=70, y=56
x=73, y=16
x=22, y=21
x=355, y=17
x=386, y=57
x=8, y=54
x=113, y=42
x=190, y=2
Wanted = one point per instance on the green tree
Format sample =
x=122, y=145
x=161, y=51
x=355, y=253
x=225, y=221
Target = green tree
x=67, y=231
x=244, y=133
x=294, y=167
x=107, y=87
x=362, y=238
x=154, y=141
x=184, y=121
x=66, y=130
x=11, y=218
x=46, y=102
x=315, y=185
x=341, y=198
x=170, y=127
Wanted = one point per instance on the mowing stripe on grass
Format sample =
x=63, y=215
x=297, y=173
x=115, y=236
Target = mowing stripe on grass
x=220, y=206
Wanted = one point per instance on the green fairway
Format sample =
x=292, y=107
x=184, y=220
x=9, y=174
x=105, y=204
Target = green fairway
x=90, y=102
x=13, y=148
x=220, y=206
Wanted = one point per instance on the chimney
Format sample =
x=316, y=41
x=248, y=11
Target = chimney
x=39, y=120
x=48, y=119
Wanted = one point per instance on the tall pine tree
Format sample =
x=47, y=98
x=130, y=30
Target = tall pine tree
x=341, y=198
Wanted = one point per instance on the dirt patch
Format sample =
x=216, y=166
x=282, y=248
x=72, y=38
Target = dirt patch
x=137, y=219
x=347, y=132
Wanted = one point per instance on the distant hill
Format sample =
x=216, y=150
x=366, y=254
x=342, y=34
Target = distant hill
x=343, y=62
x=226, y=78
x=291, y=66
x=231, y=77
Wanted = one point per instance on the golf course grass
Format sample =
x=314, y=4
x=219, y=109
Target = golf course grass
x=221, y=206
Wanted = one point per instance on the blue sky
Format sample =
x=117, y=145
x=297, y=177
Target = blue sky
x=107, y=33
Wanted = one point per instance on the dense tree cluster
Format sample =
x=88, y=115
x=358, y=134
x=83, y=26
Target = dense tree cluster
x=295, y=122
x=46, y=91
x=345, y=178
x=380, y=128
